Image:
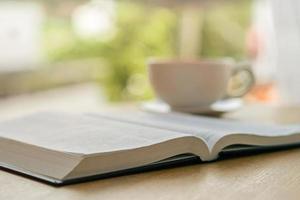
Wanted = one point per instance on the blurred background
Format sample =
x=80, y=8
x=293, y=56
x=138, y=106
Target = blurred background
x=86, y=52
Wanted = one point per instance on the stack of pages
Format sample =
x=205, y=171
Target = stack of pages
x=65, y=148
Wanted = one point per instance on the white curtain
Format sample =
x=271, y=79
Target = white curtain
x=279, y=23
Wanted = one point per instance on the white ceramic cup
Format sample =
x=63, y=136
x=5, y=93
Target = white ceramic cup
x=198, y=83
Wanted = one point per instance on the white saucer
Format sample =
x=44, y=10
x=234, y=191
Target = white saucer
x=222, y=106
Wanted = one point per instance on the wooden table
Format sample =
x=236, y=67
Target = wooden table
x=273, y=175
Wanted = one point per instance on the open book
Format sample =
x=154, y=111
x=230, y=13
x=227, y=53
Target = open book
x=65, y=148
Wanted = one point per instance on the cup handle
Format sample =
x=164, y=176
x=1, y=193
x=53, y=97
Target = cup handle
x=241, y=81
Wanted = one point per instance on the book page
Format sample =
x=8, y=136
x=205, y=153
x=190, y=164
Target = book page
x=208, y=129
x=82, y=134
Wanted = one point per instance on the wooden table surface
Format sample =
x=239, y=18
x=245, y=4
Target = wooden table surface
x=274, y=175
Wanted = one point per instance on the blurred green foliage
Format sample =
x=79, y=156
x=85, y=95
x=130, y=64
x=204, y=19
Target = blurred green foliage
x=143, y=32
x=225, y=28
